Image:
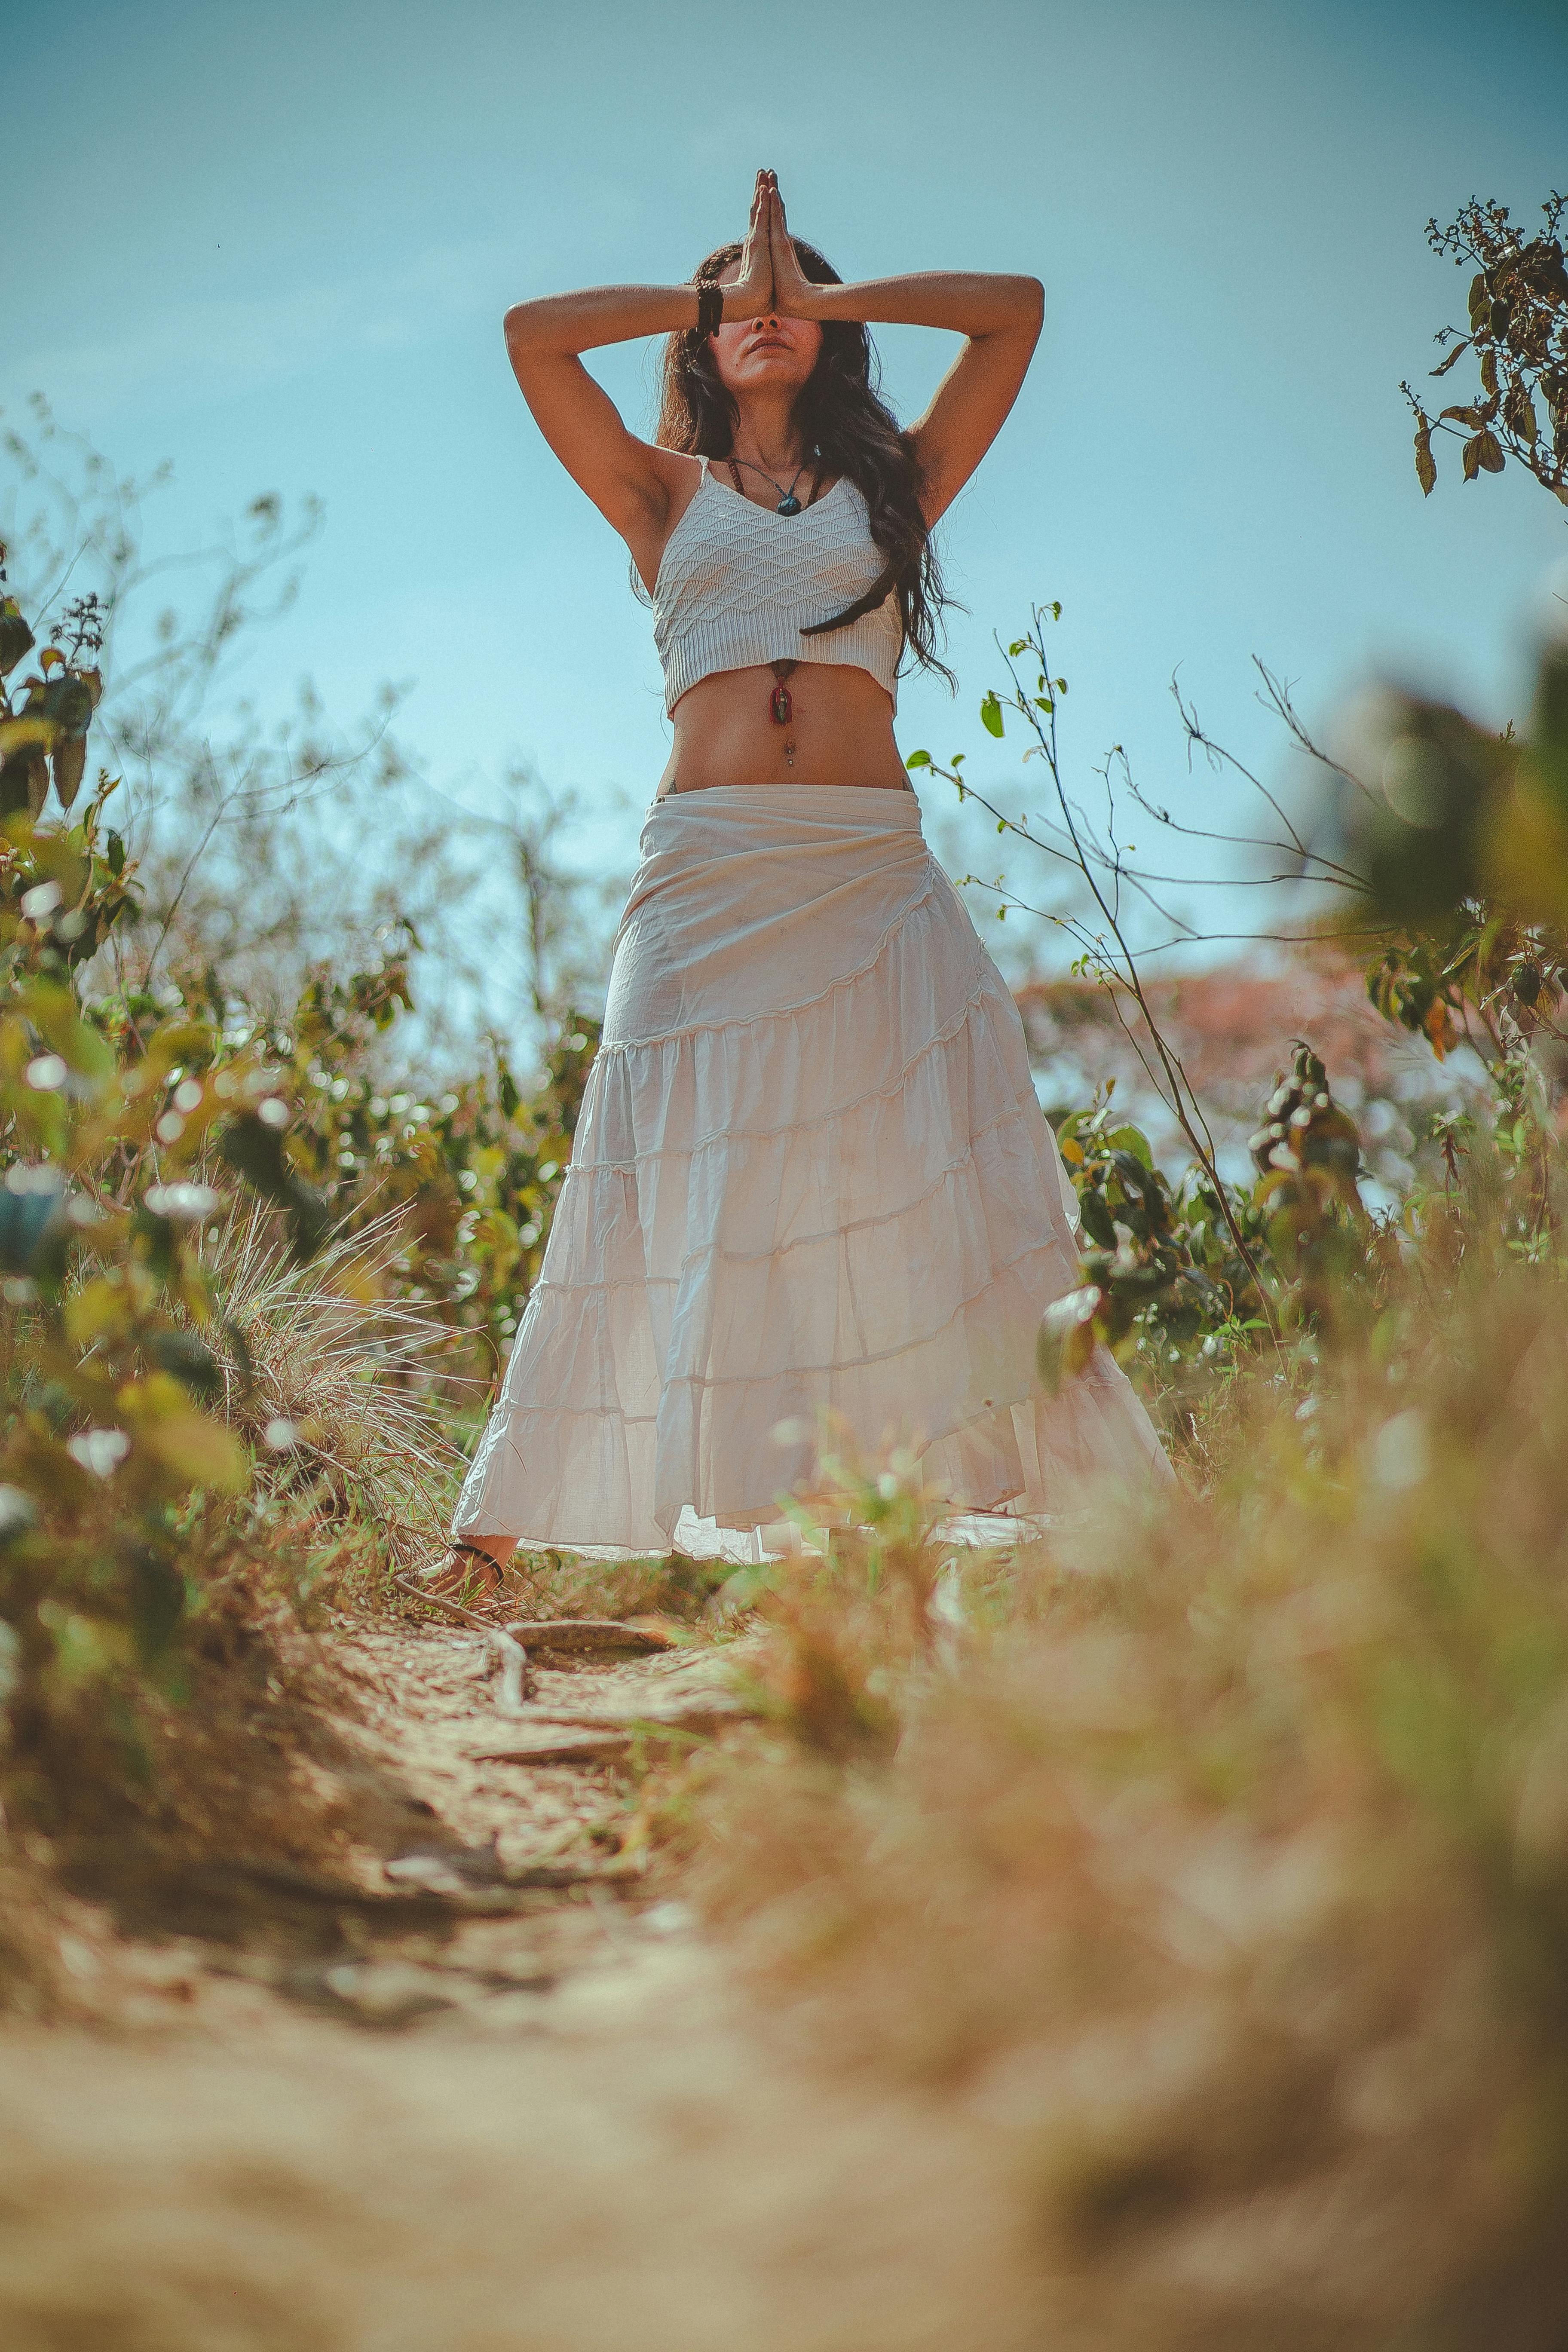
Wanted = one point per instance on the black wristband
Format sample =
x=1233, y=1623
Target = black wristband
x=709, y=307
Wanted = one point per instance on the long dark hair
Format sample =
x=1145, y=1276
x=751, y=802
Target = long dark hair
x=844, y=420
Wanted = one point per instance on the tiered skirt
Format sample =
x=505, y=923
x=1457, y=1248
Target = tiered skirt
x=810, y=1176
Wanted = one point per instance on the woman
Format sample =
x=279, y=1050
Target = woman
x=810, y=1171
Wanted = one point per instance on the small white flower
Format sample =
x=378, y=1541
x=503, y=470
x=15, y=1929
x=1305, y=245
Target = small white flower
x=188, y=1204
x=1401, y=1452
x=33, y=1176
x=101, y=1451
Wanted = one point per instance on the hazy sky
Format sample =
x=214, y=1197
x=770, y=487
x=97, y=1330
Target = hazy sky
x=275, y=242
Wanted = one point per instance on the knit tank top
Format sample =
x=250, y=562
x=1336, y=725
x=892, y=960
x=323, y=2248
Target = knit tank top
x=737, y=582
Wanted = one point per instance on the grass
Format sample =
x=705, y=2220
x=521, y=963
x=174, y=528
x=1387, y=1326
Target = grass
x=1218, y=1855
x=336, y=1380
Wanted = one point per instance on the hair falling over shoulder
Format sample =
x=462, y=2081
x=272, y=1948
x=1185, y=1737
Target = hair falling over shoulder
x=842, y=416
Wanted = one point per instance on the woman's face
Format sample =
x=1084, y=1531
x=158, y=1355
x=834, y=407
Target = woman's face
x=767, y=353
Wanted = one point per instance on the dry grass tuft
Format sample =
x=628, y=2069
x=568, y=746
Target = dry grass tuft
x=1219, y=1856
x=331, y=1375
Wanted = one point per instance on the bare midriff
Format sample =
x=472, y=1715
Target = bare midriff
x=841, y=731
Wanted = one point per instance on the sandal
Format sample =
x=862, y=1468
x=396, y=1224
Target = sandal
x=456, y=1583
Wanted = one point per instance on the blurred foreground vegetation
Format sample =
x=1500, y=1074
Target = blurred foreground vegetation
x=1216, y=1854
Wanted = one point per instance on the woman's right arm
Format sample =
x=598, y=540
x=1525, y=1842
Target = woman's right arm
x=628, y=480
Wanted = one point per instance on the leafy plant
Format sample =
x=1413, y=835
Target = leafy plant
x=1518, y=332
x=1464, y=845
x=131, y=1126
x=1102, y=933
x=252, y=1287
x=1160, y=1272
x=45, y=715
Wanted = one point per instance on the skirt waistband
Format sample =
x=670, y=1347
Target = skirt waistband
x=812, y=810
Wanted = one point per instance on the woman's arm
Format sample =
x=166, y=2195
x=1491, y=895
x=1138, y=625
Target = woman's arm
x=1000, y=316
x=628, y=480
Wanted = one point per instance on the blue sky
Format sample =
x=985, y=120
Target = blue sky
x=275, y=244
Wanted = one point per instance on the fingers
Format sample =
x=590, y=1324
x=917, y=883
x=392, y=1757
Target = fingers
x=778, y=223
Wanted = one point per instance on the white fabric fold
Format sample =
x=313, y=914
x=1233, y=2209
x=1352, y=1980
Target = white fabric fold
x=810, y=1174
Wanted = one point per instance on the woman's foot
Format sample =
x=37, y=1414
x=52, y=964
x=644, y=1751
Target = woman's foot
x=471, y=1574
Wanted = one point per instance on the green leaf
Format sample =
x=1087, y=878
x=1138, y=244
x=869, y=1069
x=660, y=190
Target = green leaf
x=68, y=761
x=34, y=1222
x=1489, y=452
x=189, y=1360
x=15, y=636
x=1132, y=1139
x=69, y=702
x=1519, y=412
x=198, y=1451
x=918, y=759
x=26, y=734
x=1018, y=646
x=1095, y=1213
x=991, y=714
x=255, y=1150
x=157, y=1601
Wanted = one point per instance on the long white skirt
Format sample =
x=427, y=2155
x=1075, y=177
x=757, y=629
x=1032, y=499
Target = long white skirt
x=810, y=1172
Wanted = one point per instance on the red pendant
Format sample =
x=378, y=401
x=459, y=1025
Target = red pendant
x=782, y=705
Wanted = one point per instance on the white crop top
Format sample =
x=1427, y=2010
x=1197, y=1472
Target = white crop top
x=737, y=582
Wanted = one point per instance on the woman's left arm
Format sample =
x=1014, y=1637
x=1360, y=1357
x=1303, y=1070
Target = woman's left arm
x=1001, y=318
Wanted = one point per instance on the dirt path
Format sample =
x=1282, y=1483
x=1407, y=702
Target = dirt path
x=557, y=2127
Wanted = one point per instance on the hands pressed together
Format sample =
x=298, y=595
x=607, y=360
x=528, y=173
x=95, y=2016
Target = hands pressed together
x=771, y=280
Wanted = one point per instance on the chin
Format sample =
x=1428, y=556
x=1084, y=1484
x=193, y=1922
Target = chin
x=776, y=367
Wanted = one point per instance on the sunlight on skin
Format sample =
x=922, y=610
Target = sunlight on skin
x=459, y=1569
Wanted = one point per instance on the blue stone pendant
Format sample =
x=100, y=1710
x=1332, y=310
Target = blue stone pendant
x=790, y=505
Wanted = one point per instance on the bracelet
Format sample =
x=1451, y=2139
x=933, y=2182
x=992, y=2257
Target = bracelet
x=709, y=307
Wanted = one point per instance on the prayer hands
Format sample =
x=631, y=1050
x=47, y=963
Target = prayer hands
x=750, y=292
x=793, y=292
